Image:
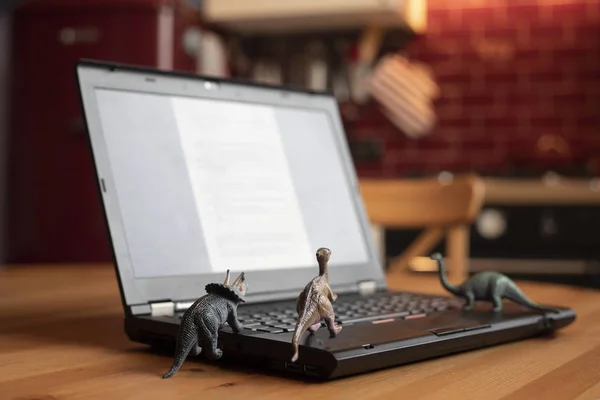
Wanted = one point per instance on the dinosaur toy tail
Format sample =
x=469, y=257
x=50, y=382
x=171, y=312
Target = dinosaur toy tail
x=187, y=339
x=442, y=272
x=515, y=294
x=295, y=347
x=304, y=322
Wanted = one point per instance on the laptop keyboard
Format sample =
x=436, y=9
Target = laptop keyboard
x=280, y=318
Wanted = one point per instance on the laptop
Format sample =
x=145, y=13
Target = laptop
x=199, y=175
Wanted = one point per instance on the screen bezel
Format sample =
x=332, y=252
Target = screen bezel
x=139, y=291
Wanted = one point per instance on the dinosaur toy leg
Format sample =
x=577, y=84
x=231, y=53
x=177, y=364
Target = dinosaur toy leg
x=332, y=327
x=470, y=297
x=326, y=310
x=196, y=349
x=315, y=327
x=210, y=333
x=498, y=288
x=497, y=300
x=214, y=353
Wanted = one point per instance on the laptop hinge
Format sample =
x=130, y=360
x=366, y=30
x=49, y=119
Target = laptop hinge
x=367, y=287
x=162, y=308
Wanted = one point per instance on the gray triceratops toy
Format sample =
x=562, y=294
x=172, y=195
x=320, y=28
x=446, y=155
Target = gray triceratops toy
x=487, y=286
x=201, y=321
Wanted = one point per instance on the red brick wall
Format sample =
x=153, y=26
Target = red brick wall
x=520, y=87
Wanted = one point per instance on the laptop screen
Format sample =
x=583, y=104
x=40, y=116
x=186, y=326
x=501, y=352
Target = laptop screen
x=206, y=185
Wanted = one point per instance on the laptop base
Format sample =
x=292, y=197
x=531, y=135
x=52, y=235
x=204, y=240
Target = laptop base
x=365, y=346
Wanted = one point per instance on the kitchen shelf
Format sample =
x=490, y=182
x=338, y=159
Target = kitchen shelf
x=281, y=16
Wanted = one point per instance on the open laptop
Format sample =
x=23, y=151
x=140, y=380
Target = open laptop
x=199, y=175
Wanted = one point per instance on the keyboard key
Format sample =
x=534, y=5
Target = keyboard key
x=253, y=328
x=276, y=314
x=269, y=329
x=284, y=327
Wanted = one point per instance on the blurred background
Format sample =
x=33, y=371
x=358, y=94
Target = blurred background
x=505, y=89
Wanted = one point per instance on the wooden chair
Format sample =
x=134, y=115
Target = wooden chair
x=439, y=207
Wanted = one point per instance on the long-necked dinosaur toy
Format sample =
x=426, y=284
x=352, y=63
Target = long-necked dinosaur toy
x=487, y=286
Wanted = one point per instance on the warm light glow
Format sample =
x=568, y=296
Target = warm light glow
x=416, y=14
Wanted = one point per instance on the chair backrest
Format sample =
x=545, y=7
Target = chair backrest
x=414, y=203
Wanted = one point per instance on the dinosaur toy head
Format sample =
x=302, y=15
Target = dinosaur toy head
x=323, y=254
x=236, y=290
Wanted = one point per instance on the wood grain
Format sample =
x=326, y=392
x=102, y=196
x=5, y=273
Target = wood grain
x=61, y=337
x=416, y=203
x=564, y=191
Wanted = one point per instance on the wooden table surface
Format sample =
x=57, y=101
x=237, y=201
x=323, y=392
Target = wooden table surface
x=61, y=337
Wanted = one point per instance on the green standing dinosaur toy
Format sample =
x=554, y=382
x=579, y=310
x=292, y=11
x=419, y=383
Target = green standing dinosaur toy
x=487, y=286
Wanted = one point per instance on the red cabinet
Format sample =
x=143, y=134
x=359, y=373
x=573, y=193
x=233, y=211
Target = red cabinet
x=55, y=214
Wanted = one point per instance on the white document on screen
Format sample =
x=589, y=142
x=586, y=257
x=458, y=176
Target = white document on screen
x=247, y=205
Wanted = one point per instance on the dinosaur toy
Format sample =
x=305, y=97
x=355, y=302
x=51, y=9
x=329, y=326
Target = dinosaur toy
x=201, y=321
x=314, y=304
x=487, y=286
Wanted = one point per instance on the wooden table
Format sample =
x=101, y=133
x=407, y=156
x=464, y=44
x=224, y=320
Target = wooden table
x=61, y=337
